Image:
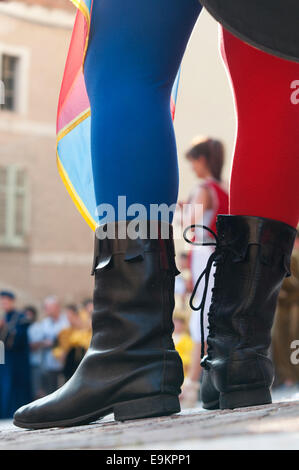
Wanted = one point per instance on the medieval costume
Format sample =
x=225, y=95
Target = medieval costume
x=269, y=25
x=105, y=128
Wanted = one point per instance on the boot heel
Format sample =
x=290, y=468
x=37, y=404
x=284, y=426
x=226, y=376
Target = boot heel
x=158, y=405
x=242, y=399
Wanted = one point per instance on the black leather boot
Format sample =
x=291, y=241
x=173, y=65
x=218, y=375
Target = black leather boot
x=131, y=367
x=252, y=257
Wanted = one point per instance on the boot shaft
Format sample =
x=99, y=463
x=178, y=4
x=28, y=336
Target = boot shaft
x=131, y=367
x=253, y=259
x=133, y=306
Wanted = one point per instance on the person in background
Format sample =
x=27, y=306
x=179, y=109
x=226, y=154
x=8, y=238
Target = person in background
x=30, y=313
x=86, y=311
x=286, y=326
x=206, y=157
x=15, y=380
x=53, y=323
x=37, y=347
x=72, y=342
x=182, y=340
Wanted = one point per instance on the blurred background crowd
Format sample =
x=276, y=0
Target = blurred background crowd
x=42, y=349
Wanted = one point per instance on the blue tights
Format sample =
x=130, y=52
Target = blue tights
x=134, y=53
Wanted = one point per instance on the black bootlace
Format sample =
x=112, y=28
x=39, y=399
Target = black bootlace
x=215, y=257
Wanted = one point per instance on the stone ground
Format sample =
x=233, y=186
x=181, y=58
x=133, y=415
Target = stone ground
x=271, y=427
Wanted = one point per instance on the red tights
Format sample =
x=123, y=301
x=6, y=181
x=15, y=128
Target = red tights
x=265, y=173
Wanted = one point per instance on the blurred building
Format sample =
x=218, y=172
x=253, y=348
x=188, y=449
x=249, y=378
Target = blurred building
x=45, y=246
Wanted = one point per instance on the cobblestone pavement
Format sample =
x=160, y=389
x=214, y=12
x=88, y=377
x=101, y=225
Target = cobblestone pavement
x=273, y=426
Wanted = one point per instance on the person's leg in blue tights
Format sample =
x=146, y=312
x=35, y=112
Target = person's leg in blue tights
x=134, y=53
x=131, y=368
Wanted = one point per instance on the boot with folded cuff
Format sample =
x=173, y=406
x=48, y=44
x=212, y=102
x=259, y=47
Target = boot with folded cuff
x=131, y=368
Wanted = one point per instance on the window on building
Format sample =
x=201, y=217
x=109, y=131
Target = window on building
x=9, y=78
x=13, y=207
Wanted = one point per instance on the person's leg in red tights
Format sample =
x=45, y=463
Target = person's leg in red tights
x=265, y=173
x=256, y=239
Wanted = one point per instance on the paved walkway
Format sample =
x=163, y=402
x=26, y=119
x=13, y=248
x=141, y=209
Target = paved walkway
x=273, y=426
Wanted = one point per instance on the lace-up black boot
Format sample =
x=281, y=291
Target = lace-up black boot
x=252, y=257
x=131, y=367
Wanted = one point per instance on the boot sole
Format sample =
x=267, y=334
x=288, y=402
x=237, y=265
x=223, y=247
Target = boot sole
x=245, y=398
x=158, y=405
x=212, y=405
x=240, y=399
